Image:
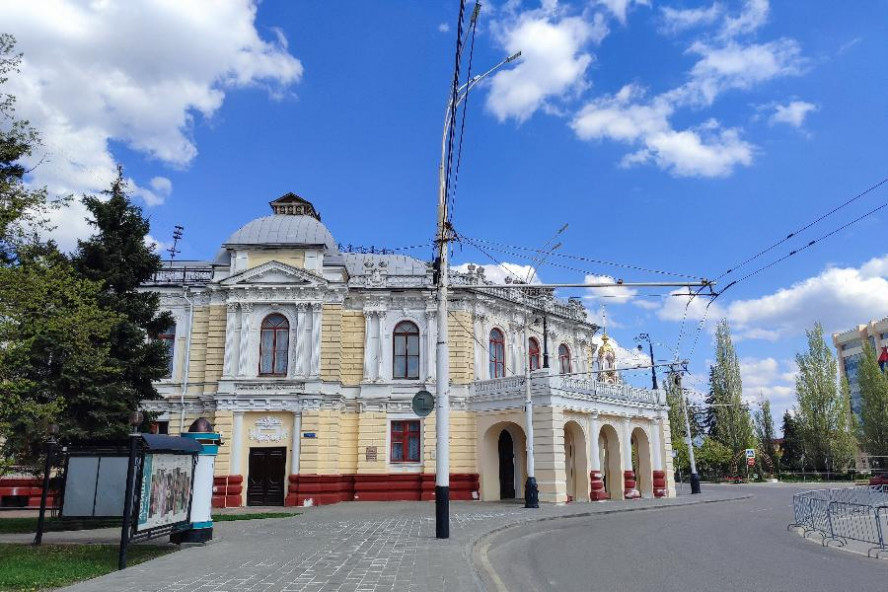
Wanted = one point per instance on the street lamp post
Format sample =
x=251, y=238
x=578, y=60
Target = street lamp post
x=646, y=337
x=442, y=362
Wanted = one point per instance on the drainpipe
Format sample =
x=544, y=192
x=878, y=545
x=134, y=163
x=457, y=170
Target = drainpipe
x=187, y=361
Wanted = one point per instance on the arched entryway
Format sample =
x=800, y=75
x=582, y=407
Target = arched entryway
x=609, y=456
x=503, y=462
x=506, y=449
x=575, y=462
x=641, y=462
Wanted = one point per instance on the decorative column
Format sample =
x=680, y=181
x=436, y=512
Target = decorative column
x=481, y=364
x=315, y=370
x=431, y=338
x=229, y=366
x=244, y=349
x=237, y=442
x=380, y=341
x=295, y=446
x=369, y=366
x=659, y=475
x=631, y=492
x=301, y=341
x=597, y=491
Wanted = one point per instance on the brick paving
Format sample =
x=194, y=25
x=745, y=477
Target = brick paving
x=347, y=547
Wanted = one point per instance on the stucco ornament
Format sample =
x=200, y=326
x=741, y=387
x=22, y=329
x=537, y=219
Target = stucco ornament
x=268, y=429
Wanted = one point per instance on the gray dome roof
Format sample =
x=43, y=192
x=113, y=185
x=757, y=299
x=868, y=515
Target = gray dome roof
x=282, y=230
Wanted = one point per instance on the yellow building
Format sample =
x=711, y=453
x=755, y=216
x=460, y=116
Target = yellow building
x=306, y=359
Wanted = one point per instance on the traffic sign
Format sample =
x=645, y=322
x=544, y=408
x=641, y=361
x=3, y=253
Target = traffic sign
x=423, y=403
x=750, y=462
x=750, y=453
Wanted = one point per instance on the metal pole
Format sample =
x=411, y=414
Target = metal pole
x=695, y=478
x=128, y=501
x=545, y=343
x=653, y=371
x=442, y=364
x=47, y=467
x=531, y=491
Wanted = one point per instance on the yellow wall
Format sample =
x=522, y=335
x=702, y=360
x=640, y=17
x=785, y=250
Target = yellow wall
x=372, y=427
x=462, y=356
x=348, y=443
x=291, y=257
x=223, y=422
x=463, y=458
x=351, y=359
x=250, y=419
x=331, y=340
x=215, y=353
x=320, y=455
x=197, y=368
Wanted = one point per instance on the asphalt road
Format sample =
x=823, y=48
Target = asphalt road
x=738, y=545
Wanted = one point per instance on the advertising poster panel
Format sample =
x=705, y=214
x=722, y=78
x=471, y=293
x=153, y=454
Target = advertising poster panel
x=166, y=490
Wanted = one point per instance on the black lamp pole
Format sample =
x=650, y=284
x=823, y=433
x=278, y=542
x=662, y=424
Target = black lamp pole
x=545, y=344
x=646, y=337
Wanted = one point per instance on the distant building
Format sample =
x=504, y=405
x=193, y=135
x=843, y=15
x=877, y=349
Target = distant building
x=849, y=351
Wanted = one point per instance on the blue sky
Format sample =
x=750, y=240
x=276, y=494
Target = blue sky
x=678, y=136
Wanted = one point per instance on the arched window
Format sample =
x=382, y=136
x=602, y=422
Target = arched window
x=497, y=354
x=564, y=359
x=533, y=352
x=168, y=339
x=274, y=341
x=405, y=363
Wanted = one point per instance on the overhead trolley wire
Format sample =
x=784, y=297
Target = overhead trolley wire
x=465, y=108
x=805, y=227
x=585, y=259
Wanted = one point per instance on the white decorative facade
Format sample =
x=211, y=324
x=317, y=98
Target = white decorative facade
x=307, y=358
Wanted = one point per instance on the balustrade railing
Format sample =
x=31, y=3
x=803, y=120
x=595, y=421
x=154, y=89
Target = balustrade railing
x=182, y=275
x=586, y=388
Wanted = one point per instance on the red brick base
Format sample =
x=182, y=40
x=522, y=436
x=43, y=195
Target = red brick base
x=597, y=491
x=629, y=485
x=316, y=490
x=660, y=489
x=227, y=491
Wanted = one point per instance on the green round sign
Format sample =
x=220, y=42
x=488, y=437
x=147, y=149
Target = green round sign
x=423, y=403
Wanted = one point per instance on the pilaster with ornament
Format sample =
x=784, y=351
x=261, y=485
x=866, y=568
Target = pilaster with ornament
x=431, y=343
x=246, y=311
x=315, y=367
x=229, y=363
x=302, y=333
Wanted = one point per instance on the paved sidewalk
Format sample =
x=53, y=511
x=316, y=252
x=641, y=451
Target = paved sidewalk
x=351, y=547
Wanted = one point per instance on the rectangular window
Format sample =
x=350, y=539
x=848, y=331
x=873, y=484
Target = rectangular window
x=160, y=427
x=168, y=339
x=405, y=442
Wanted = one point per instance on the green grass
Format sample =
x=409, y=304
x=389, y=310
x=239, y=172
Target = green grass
x=29, y=525
x=255, y=516
x=29, y=568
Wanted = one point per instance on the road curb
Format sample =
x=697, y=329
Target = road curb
x=478, y=548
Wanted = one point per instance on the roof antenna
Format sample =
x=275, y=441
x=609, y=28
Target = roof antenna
x=177, y=235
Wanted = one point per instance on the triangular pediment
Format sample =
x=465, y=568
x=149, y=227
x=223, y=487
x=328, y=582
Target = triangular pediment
x=275, y=272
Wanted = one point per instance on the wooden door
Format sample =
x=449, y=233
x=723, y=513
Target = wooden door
x=506, y=465
x=267, y=477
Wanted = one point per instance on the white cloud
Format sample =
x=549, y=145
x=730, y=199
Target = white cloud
x=626, y=358
x=838, y=297
x=677, y=20
x=708, y=149
x=792, y=114
x=444, y=28
x=620, y=8
x=553, y=61
x=704, y=151
x=752, y=17
x=161, y=188
x=680, y=300
x=138, y=73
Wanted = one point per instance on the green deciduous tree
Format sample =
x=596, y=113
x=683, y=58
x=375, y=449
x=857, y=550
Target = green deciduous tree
x=873, y=429
x=822, y=412
x=730, y=422
x=792, y=451
x=764, y=430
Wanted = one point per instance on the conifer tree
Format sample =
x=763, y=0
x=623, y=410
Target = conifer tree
x=792, y=450
x=118, y=257
x=764, y=430
x=873, y=404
